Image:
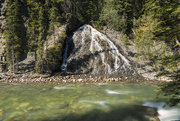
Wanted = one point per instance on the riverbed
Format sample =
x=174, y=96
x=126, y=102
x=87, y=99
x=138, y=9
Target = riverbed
x=116, y=101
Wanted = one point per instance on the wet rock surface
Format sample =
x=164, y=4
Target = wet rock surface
x=90, y=52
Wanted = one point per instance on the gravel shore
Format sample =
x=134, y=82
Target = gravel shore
x=59, y=78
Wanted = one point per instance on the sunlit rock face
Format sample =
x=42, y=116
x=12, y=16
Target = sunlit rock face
x=91, y=52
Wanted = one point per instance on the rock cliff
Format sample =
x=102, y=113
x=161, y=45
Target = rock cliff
x=91, y=52
x=2, y=25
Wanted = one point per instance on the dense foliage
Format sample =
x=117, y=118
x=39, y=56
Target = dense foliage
x=171, y=89
x=167, y=28
x=29, y=22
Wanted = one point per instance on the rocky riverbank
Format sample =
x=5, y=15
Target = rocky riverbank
x=61, y=78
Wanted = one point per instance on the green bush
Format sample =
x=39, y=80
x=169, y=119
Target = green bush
x=124, y=39
x=54, y=54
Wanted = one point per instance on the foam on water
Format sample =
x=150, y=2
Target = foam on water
x=119, y=92
x=166, y=113
x=102, y=84
x=102, y=103
x=64, y=87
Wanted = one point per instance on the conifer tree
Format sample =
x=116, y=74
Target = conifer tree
x=13, y=32
x=118, y=13
x=32, y=29
x=171, y=89
x=109, y=15
x=55, y=13
x=167, y=29
x=41, y=38
x=36, y=31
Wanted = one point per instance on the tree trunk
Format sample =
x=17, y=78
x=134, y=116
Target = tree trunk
x=13, y=58
x=35, y=57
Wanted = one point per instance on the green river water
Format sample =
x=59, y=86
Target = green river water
x=82, y=102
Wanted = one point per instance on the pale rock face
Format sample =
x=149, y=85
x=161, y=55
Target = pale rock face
x=2, y=24
x=89, y=51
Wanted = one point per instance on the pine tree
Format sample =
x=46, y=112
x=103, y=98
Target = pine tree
x=37, y=31
x=171, y=89
x=55, y=14
x=13, y=32
x=32, y=29
x=110, y=16
x=167, y=14
x=118, y=14
x=41, y=38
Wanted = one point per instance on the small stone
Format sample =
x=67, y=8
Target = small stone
x=64, y=81
x=154, y=119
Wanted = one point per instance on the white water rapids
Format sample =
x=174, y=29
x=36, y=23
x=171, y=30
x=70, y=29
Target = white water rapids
x=93, y=52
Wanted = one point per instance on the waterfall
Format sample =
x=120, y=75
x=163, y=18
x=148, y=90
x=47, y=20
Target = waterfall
x=64, y=64
x=95, y=53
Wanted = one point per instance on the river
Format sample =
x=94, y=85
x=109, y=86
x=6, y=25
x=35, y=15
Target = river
x=83, y=102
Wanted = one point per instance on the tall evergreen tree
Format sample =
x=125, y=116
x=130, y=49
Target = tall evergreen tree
x=54, y=13
x=167, y=14
x=171, y=89
x=119, y=14
x=32, y=29
x=37, y=30
x=41, y=38
x=13, y=31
